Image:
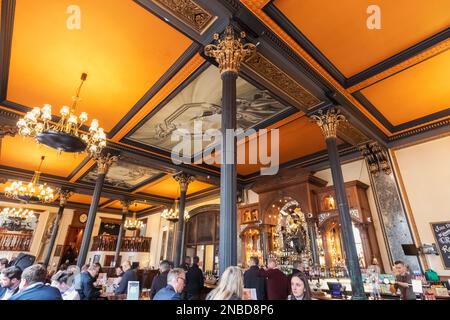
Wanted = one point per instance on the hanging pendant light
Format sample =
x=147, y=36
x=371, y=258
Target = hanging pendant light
x=133, y=223
x=63, y=136
x=32, y=191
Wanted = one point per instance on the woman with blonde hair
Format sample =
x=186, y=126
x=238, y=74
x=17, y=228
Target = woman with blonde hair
x=230, y=287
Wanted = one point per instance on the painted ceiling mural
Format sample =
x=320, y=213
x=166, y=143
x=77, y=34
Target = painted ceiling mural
x=123, y=174
x=201, y=100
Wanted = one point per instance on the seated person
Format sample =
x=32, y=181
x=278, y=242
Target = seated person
x=63, y=281
x=176, y=280
x=129, y=275
x=87, y=289
x=10, y=281
x=32, y=285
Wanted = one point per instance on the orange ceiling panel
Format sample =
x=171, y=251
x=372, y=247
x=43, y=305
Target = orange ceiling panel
x=415, y=92
x=339, y=28
x=84, y=198
x=123, y=48
x=297, y=138
x=134, y=207
x=25, y=153
x=168, y=187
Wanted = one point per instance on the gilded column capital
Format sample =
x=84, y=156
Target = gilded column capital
x=104, y=162
x=125, y=205
x=376, y=157
x=64, y=195
x=183, y=179
x=229, y=52
x=328, y=121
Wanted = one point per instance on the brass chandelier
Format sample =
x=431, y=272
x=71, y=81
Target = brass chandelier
x=133, y=223
x=17, y=213
x=65, y=135
x=172, y=213
x=31, y=192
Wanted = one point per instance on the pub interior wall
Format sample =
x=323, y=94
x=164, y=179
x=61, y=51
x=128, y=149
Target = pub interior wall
x=424, y=170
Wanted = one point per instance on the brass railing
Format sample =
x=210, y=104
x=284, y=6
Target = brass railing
x=129, y=244
x=15, y=241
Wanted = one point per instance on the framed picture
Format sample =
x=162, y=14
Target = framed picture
x=58, y=250
x=96, y=258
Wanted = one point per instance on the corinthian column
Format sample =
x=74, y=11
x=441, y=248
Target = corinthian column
x=183, y=179
x=103, y=164
x=229, y=53
x=328, y=121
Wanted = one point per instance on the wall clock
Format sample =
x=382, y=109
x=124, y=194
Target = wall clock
x=83, y=218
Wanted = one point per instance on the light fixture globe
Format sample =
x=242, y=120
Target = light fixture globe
x=63, y=136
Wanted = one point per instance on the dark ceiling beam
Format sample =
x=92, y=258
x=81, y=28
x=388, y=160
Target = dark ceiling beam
x=6, y=32
x=69, y=205
x=84, y=188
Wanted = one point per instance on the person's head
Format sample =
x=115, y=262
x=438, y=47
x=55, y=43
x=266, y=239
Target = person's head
x=187, y=260
x=195, y=260
x=3, y=263
x=271, y=263
x=230, y=283
x=126, y=266
x=297, y=264
x=400, y=267
x=300, y=286
x=164, y=266
x=93, y=270
x=10, y=277
x=119, y=271
x=33, y=274
x=63, y=267
x=254, y=261
x=177, y=279
x=62, y=280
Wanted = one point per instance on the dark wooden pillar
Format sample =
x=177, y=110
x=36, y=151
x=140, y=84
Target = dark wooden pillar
x=125, y=205
x=103, y=164
x=63, y=196
x=183, y=179
x=329, y=122
x=228, y=53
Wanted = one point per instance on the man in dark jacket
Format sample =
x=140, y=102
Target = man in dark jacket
x=87, y=289
x=129, y=275
x=32, y=286
x=277, y=284
x=187, y=264
x=176, y=280
x=253, y=279
x=194, y=280
x=160, y=280
x=10, y=281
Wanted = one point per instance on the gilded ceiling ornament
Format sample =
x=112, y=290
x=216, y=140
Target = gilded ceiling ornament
x=64, y=195
x=6, y=130
x=125, y=204
x=189, y=13
x=328, y=121
x=277, y=77
x=230, y=52
x=183, y=179
x=104, y=162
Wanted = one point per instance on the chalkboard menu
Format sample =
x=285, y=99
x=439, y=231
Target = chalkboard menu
x=441, y=231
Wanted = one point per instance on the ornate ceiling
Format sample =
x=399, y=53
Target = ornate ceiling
x=147, y=75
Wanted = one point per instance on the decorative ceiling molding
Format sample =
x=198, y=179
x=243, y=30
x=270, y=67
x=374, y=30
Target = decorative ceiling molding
x=189, y=12
x=277, y=77
x=350, y=134
x=7, y=130
x=431, y=52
